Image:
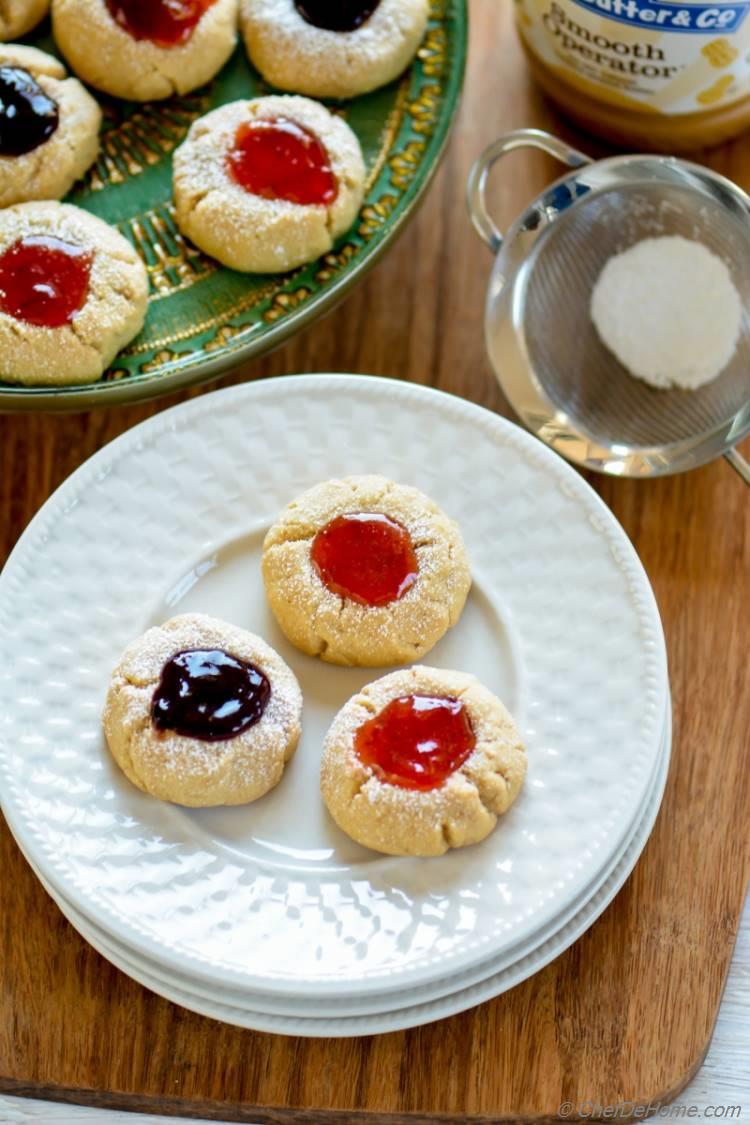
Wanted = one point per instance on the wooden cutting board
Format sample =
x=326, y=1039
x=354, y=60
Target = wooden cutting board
x=627, y=1013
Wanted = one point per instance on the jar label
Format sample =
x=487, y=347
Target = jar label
x=659, y=55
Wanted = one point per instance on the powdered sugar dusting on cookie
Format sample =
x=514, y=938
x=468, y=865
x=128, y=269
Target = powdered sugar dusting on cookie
x=106, y=56
x=113, y=311
x=296, y=55
x=250, y=232
x=401, y=821
x=188, y=770
x=340, y=630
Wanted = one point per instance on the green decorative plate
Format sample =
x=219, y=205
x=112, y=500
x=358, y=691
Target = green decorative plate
x=204, y=319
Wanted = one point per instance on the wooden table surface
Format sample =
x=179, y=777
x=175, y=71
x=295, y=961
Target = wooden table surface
x=723, y=1079
x=629, y=1010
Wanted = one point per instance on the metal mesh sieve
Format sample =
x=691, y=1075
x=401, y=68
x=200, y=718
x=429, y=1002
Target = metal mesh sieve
x=580, y=376
x=556, y=373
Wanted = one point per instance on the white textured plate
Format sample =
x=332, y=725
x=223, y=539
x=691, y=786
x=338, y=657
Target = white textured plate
x=389, y=1002
x=271, y=897
x=462, y=997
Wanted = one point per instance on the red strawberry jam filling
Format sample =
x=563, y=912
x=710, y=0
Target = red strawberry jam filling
x=367, y=557
x=44, y=280
x=278, y=159
x=416, y=741
x=166, y=23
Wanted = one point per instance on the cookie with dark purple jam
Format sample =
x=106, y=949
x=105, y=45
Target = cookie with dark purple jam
x=202, y=713
x=332, y=48
x=49, y=126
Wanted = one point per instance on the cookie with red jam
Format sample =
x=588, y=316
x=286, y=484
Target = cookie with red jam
x=202, y=713
x=363, y=571
x=266, y=185
x=421, y=761
x=144, y=50
x=73, y=293
x=332, y=48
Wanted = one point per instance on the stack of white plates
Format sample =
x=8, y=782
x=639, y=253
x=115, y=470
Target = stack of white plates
x=266, y=915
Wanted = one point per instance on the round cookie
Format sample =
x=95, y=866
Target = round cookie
x=143, y=64
x=334, y=52
x=306, y=153
x=64, y=117
x=202, y=713
x=362, y=571
x=421, y=761
x=19, y=16
x=73, y=293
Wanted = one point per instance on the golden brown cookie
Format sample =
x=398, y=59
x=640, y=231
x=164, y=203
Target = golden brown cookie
x=19, y=16
x=145, y=52
x=421, y=761
x=202, y=713
x=52, y=137
x=329, y=50
x=269, y=184
x=73, y=292
x=366, y=572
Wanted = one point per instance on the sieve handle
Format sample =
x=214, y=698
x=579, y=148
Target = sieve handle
x=477, y=185
x=739, y=463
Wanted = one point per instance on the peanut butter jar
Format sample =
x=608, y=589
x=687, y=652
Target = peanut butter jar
x=658, y=75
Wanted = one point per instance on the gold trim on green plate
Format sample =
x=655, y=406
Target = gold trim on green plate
x=202, y=318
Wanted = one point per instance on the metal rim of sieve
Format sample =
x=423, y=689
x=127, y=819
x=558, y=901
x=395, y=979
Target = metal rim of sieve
x=506, y=311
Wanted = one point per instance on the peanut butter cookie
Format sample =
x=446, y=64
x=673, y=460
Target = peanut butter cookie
x=421, y=761
x=202, y=713
x=363, y=571
x=49, y=126
x=266, y=185
x=332, y=48
x=73, y=293
x=145, y=51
